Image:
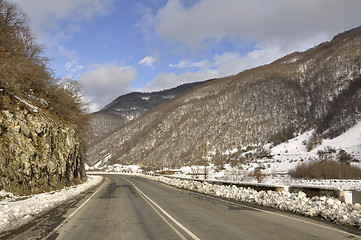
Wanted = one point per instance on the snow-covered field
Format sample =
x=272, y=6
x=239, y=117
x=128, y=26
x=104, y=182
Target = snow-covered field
x=294, y=150
x=328, y=208
x=16, y=211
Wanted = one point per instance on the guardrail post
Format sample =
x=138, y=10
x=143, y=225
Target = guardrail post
x=356, y=197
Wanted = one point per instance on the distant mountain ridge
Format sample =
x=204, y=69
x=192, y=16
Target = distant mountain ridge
x=129, y=106
x=316, y=89
x=135, y=102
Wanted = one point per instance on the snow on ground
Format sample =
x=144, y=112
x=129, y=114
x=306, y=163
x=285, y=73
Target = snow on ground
x=341, y=184
x=18, y=210
x=236, y=175
x=32, y=107
x=114, y=168
x=124, y=168
x=99, y=164
x=328, y=208
x=294, y=150
x=285, y=157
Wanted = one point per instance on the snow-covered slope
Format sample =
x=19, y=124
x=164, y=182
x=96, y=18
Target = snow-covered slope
x=18, y=210
x=287, y=155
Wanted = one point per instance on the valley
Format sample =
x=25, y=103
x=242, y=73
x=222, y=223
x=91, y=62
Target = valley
x=268, y=119
x=180, y=119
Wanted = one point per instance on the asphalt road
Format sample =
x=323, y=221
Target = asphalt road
x=129, y=207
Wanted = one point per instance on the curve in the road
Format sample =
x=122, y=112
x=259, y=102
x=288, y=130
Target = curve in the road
x=128, y=207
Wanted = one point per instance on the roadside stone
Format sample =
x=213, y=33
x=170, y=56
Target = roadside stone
x=357, y=207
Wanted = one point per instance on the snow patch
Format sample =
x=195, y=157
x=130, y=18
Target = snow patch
x=100, y=164
x=32, y=107
x=19, y=210
x=294, y=150
x=169, y=96
x=328, y=208
x=230, y=152
x=118, y=168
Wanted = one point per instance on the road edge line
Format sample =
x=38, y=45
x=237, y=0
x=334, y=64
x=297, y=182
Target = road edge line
x=74, y=212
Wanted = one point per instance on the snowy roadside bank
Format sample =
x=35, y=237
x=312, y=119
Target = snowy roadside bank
x=328, y=208
x=18, y=210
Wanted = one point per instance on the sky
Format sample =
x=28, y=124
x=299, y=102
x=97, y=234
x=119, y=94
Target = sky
x=113, y=47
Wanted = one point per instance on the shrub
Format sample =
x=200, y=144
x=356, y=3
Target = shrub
x=313, y=141
x=257, y=173
x=344, y=157
x=24, y=72
x=326, y=170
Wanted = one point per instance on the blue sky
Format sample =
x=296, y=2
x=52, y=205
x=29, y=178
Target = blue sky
x=114, y=47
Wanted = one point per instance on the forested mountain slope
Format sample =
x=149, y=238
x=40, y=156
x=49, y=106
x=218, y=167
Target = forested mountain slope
x=128, y=107
x=318, y=88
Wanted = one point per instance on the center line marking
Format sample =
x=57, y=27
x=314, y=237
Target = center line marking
x=192, y=235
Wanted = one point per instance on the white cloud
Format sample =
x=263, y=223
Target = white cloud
x=169, y=80
x=147, y=61
x=225, y=64
x=233, y=63
x=45, y=15
x=73, y=68
x=104, y=83
x=284, y=21
x=189, y=64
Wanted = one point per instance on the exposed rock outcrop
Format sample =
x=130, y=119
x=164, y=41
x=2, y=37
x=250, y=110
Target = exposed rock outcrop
x=37, y=153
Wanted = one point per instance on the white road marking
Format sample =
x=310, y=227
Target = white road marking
x=192, y=235
x=72, y=214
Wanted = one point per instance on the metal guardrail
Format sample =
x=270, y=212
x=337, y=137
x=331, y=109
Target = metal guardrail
x=351, y=197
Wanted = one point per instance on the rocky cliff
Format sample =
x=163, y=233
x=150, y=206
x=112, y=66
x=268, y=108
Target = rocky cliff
x=37, y=152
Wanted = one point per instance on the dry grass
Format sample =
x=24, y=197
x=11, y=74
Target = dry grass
x=326, y=170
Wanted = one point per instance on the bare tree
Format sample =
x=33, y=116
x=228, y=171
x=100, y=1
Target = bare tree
x=24, y=70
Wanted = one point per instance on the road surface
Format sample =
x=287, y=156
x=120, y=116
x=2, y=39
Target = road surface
x=130, y=207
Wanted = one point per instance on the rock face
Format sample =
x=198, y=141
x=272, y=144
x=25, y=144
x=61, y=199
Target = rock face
x=37, y=153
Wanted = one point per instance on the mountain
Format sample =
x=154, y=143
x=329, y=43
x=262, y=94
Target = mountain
x=317, y=89
x=128, y=107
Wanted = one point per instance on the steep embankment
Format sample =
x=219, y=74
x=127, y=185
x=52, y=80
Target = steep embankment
x=37, y=153
x=318, y=88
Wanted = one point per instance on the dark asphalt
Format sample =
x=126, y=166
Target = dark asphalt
x=129, y=207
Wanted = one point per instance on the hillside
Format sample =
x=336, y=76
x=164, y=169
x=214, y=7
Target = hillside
x=41, y=117
x=128, y=107
x=316, y=89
